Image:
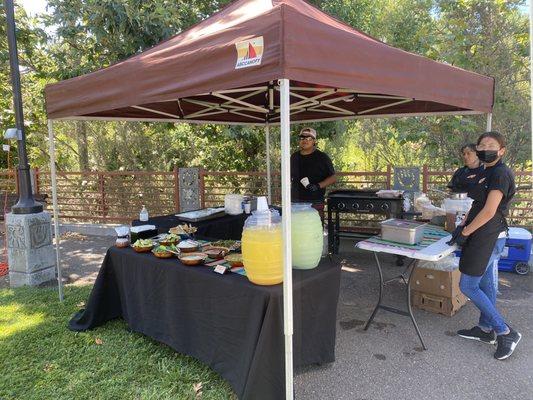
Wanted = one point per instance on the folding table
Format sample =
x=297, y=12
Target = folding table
x=433, y=247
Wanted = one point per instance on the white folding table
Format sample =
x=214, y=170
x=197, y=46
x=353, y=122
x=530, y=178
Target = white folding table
x=433, y=247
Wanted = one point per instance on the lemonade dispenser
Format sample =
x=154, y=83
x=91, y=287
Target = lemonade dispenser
x=262, y=251
x=307, y=236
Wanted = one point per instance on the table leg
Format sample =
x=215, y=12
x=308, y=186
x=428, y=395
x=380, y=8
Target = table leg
x=409, y=308
x=409, y=312
x=380, y=293
x=331, y=232
x=336, y=236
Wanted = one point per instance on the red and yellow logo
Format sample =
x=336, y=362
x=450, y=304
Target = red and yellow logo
x=249, y=52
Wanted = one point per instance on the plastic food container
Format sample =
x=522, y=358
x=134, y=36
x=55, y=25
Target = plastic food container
x=456, y=208
x=233, y=203
x=402, y=231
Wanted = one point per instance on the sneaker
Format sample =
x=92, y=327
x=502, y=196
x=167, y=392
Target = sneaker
x=507, y=344
x=476, y=333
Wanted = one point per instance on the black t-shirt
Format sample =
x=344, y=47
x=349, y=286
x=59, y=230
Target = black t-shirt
x=316, y=166
x=498, y=177
x=464, y=179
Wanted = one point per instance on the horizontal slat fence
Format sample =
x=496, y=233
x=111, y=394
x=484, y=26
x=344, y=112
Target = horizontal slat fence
x=100, y=197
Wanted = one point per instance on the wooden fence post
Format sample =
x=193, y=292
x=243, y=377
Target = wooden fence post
x=389, y=176
x=201, y=184
x=425, y=178
x=101, y=187
x=176, y=189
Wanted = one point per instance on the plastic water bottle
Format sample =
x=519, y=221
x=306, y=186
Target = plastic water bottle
x=143, y=215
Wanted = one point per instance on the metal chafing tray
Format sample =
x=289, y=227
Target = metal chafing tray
x=402, y=231
x=201, y=215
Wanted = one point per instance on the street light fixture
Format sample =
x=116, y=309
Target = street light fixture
x=26, y=203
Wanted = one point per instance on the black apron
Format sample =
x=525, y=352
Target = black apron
x=477, y=250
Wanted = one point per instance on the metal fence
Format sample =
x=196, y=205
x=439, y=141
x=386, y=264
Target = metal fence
x=119, y=195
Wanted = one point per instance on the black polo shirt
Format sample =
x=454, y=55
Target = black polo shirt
x=498, y=177
x=316, y=166
x=464, y=179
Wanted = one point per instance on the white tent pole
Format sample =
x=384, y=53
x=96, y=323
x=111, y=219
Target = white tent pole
x=489, y=122
x=269, y=177
x=286, y=228
x=51, y=139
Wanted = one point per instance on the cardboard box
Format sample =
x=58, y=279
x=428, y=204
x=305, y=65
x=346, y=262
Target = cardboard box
x=436, y=282
x=438, y=304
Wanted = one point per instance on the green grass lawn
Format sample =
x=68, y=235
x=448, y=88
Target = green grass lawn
x=41, y=359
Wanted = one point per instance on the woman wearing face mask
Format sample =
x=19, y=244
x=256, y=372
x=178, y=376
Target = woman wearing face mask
x=481, y=245
x=465, y=178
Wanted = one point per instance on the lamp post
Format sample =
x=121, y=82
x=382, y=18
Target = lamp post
x=26, y=203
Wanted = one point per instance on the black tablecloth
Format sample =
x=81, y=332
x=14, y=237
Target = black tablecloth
x=225, y=321
x=227, y=227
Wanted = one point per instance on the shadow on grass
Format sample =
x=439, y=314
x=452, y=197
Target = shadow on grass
x=41, y=359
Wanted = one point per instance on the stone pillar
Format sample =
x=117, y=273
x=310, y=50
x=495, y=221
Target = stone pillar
x=189, y=184
x=31, y=255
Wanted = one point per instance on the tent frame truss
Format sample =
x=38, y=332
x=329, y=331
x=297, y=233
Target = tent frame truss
x=315, y=99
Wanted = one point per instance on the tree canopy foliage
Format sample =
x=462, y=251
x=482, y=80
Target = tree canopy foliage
x=74, y=37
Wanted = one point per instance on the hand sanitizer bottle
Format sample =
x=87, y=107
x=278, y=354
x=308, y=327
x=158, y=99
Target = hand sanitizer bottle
x=143, y=215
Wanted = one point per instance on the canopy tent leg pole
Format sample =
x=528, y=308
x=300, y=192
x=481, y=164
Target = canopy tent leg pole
x=286, y=228
x=269, y=177
x=489, y=122
x=51, y=139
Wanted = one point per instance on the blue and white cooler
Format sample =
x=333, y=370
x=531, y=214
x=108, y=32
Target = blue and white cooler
x=517, y=251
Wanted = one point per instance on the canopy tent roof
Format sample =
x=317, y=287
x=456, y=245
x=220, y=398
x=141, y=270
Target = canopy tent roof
x=225, y=70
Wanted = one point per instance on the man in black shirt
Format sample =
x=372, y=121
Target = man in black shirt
x=465, y=178
x=311, y=172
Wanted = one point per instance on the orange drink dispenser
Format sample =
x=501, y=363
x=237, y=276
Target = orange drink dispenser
x=262, y=252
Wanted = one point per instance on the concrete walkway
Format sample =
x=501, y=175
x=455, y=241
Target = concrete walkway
x=387, y=362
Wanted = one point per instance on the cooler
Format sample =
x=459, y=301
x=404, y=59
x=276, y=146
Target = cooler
x=516, y=253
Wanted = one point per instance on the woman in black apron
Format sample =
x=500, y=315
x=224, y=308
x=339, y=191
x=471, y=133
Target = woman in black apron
x=478, y=236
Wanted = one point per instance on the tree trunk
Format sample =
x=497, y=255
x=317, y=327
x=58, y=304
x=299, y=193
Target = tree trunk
x=83, y=146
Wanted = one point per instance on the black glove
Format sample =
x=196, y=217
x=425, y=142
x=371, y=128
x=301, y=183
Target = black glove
x=457, y=237
x=313, y=187
x=461, y=240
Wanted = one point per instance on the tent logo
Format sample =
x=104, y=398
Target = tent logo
x=249, y=52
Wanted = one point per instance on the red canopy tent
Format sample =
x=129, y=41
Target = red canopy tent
x=263, y=62
x=221, y=70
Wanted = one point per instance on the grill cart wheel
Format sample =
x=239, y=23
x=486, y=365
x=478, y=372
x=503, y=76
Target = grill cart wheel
x=521, y=268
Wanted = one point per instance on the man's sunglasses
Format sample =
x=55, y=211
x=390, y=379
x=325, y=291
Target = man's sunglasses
x=303, y=137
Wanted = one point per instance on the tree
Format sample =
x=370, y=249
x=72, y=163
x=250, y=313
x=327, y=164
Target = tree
x=80, y=36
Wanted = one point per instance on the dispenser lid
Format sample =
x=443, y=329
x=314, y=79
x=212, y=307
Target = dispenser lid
x=299, y=207
x=262, y=203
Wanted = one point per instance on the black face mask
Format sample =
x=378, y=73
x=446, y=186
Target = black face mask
x=487, y=156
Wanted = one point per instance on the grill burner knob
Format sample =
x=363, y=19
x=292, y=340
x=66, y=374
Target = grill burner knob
x=369, y=206
x=341, y=206
x=355, y=206
x=385, y=207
